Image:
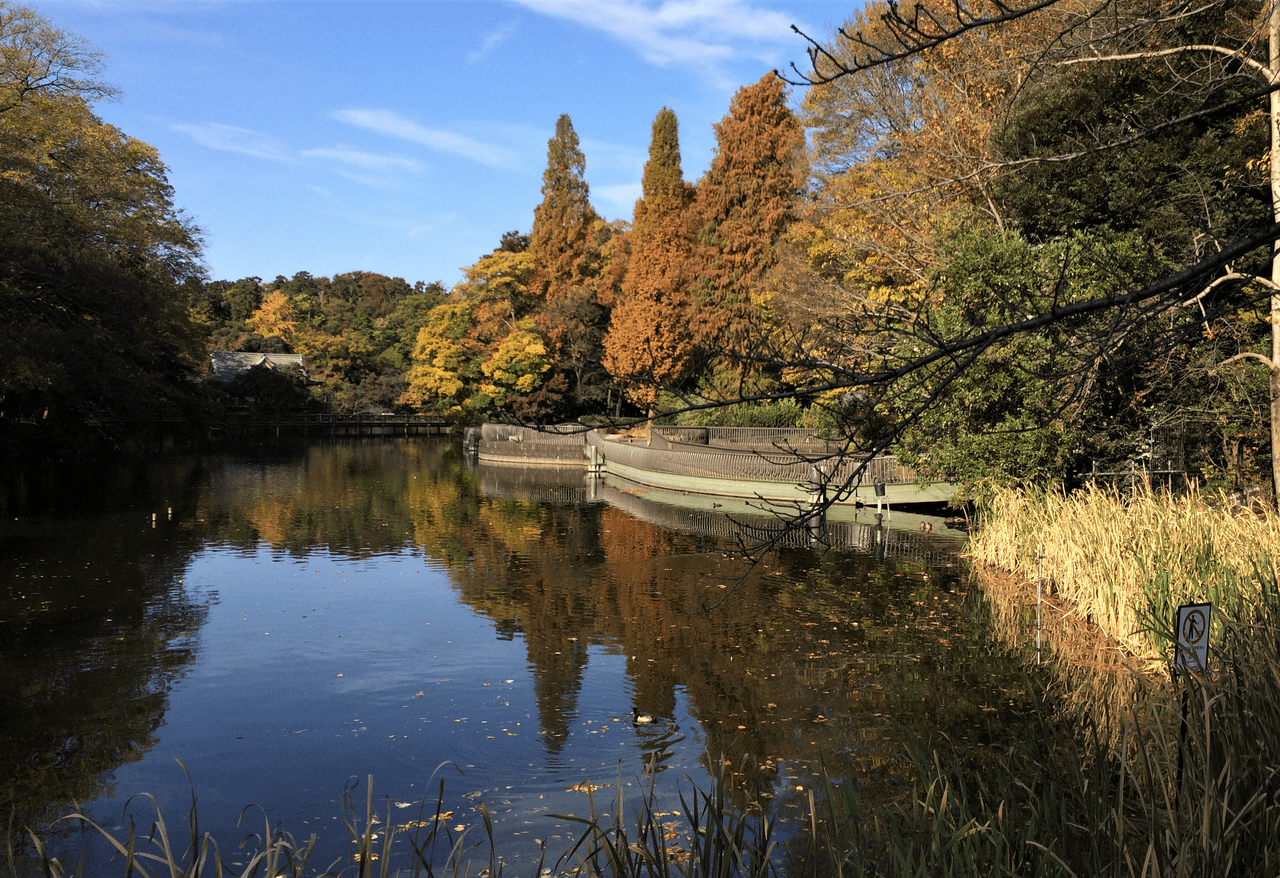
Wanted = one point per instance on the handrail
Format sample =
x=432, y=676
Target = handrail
x=792, y=467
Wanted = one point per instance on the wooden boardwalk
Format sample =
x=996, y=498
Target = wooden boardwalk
x=784, y=465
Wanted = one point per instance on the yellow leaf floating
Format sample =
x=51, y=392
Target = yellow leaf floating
x=588, y=787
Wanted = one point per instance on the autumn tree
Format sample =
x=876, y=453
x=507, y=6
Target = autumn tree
x=276, y=316
x=560, y=241
x=744, y=204
x=1110, y=81
x=41, y=60
x=649, y=344
x=481, y=355
x=574, y=323
x=902, y=156
x=446, y=361
x=516, y=373
x=96, y=263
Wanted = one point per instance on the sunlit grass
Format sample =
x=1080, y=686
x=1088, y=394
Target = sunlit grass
x=1135, y=773
x=1122, y=560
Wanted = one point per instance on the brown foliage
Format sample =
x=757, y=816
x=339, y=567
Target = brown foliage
x=561, y=238
x=649, y=342
x=745, y=202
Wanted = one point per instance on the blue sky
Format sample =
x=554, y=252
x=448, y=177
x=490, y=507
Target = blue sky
x=406, y=137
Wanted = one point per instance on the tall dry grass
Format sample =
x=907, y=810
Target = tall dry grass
x=1126, y=561
x=1136, y=773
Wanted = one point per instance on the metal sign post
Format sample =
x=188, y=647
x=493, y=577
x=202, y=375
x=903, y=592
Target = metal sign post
x=1191, y=653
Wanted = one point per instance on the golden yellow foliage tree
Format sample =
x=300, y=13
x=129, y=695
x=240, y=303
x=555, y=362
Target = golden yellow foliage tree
x=276, y=317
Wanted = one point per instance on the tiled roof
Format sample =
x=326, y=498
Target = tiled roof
x=229, y=364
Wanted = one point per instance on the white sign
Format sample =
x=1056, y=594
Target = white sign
x=1193, y=637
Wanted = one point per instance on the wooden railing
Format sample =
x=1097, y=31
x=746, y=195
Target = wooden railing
x=794, y=467
x=326, y=424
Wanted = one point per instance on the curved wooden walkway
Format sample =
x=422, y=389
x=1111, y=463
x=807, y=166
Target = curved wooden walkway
x=791, y=467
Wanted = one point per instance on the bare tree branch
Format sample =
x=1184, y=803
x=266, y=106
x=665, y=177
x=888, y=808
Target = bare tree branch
x=915, y=33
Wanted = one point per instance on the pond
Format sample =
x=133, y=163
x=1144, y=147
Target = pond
x=288, y=623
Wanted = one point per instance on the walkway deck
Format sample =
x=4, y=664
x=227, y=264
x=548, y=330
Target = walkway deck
x=794, y=468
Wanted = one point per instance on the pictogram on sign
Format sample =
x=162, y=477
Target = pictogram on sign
x=1193, y=637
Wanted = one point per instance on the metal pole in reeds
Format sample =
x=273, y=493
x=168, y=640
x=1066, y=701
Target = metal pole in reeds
x=1039, y=593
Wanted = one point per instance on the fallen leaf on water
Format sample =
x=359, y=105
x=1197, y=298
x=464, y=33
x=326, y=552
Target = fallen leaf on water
x=588, y=787
x=419, y=695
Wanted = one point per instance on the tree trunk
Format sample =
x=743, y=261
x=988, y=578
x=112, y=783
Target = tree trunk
x=1274, y=366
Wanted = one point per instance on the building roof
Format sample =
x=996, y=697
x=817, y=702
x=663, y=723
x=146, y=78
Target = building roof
x=229, y=364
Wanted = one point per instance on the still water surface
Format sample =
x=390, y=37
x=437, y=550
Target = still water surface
x=293, y=622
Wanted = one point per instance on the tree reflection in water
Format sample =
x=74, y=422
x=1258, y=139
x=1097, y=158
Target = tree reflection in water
x=817, y=660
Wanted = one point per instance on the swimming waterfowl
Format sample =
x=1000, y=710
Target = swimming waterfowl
x=641, y=719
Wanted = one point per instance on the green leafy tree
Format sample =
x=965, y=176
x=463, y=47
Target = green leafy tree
x=96, y=264
x=1027, y=411
x=400, y=327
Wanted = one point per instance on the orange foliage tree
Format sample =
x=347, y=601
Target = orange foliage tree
x=560, y=241
x=649, y=344
x=745, y=202
x=903, y=154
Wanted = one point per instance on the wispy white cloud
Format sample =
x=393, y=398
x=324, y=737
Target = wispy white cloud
x=371, y=169
x=394, y=125
x=684, y=32
x=625, y=195
x=365, y=161
x=229, y=138
x=491, y=41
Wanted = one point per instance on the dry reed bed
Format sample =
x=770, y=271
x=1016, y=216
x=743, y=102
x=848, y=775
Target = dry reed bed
x=1163, y=777
x=1125, y=562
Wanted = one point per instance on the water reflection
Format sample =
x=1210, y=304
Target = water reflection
x=95, y=627
x=379, y=607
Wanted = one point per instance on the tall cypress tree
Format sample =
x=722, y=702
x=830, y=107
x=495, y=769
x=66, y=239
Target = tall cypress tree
x=649, y=340
x=745, y=202
x=561, y=235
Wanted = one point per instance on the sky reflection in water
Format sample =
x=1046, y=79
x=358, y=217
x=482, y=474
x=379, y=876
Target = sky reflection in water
x=351, y=609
